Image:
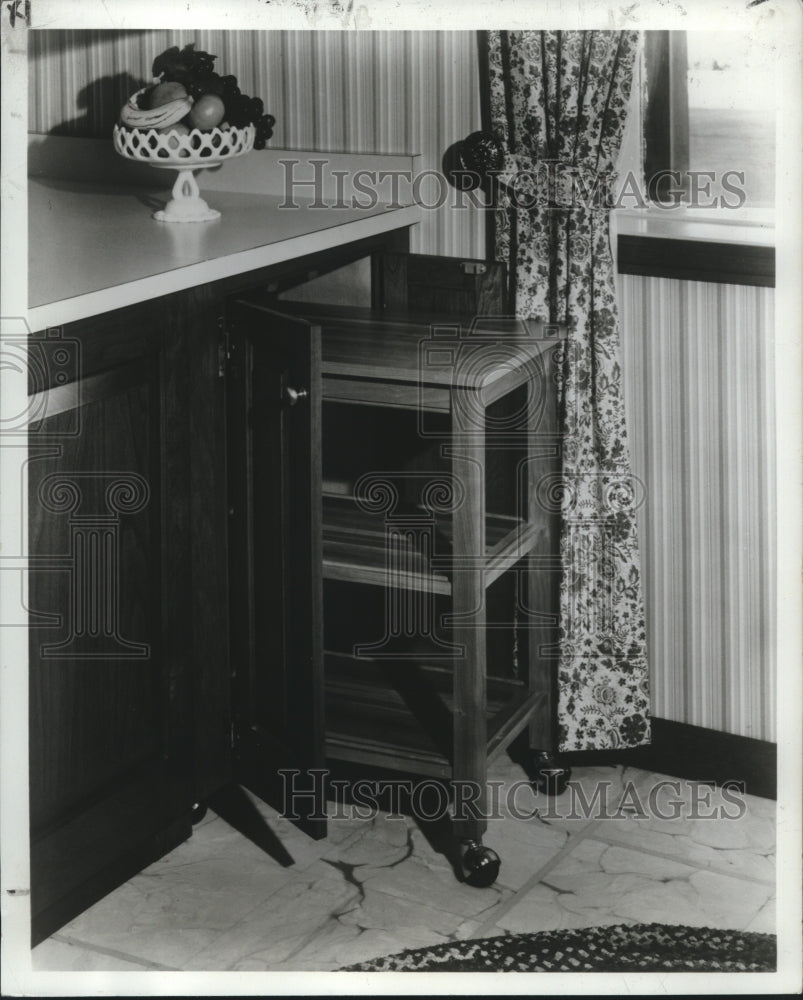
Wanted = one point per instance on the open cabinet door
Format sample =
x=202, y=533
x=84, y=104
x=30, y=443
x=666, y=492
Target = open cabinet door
x=275, y=561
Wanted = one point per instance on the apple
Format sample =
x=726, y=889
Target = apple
x=173, y=132
x=164, y=93
x=179, y=127
x=207, y=112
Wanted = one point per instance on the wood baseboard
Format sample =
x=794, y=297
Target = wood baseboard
x=696, y=753
x=62, y=909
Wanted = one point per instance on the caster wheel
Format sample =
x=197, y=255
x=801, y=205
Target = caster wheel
x=479, y=865
x=198, y=812
x=547, y=775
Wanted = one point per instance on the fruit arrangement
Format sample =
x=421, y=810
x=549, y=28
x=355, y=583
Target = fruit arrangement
x=187, y=94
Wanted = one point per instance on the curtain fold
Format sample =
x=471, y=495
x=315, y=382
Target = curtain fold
x=558, y=103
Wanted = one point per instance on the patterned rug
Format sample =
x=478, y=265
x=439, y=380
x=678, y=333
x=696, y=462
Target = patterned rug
x=621, y=948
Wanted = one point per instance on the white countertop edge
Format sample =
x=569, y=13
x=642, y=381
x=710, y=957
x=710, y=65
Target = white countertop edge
x=755, y=228
x=103, y=300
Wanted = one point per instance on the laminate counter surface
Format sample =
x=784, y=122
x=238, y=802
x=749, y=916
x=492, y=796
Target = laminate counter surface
x=94, y=247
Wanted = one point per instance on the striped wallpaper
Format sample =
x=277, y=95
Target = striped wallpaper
x=699, y=369
x=697, y=357
x=338, y=91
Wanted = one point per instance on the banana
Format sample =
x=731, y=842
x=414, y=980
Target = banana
x=168, y=114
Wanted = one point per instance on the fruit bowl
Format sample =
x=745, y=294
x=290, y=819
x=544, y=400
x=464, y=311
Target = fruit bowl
x=192, y=150
x=189, y=117
x=173, y=148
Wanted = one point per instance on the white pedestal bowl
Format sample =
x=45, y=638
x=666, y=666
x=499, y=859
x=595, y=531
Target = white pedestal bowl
x=171, y=150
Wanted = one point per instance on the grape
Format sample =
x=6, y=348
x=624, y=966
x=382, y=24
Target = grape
x=264, y=131
x=213, y=84
x=242, y=110
x=186, y=66
x=165, y=61
x=237, y=110
x=196, y=71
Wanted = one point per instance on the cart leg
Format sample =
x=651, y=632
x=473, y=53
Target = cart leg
x=546, y=773
x=478, y=865
x=198, y=812
x=543, y=586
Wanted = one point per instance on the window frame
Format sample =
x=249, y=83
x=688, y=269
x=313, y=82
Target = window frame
x=666, y=122
x=668, y=237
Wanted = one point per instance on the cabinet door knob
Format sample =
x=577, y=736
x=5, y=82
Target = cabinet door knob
x=293, y=396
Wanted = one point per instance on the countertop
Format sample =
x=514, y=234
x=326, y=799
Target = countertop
x=96, y=247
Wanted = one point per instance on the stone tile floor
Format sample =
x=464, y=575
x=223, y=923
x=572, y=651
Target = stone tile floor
x=680, y=854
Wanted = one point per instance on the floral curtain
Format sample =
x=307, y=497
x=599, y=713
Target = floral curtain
x=558, y=103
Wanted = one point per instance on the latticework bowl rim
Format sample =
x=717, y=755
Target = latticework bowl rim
x=168, y=148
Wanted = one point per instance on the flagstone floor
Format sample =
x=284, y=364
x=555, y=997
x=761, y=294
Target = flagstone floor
x=377, y=885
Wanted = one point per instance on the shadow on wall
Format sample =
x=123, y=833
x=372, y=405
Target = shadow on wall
x=99, y=104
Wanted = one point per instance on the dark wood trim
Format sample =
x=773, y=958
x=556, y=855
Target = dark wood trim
x=384, y=281
x=104, y=881
x=695, y=753
x=487, y=125
x=199, y=312
x=666, y=123
x=486, y=120
x=657, y=145
x=284, y=275
x=696, y=260
x=63, y=398
x=75, y=863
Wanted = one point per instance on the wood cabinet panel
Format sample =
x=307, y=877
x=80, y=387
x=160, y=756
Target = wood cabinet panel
x=275, y=601
x=103, y=655
x=138, y=575
x=109, y=637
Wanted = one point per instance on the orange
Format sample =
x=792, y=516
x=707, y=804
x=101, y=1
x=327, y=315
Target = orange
x=207, y=112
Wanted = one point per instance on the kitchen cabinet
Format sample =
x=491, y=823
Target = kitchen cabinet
x=133, y=712
x=275, y=621
x=184, y=480
x=111, y=647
